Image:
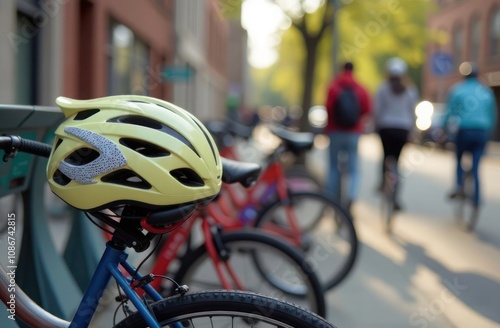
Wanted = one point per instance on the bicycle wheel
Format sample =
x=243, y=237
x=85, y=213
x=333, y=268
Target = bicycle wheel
x=280, y=269
x=216, y=309
x=298, y=178
x=467, y=213
x=391, y=178
x=388, y=210
x=328, y=235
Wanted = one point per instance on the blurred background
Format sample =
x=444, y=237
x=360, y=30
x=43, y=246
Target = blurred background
x=233, y=57
x=271, y=61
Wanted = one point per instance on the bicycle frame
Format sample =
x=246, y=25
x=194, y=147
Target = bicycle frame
x=114, y=256
x=271, y=182
x=179, y=237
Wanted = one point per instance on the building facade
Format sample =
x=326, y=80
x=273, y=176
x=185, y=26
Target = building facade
x=31, y=51
x=117, y=47
x=201, y=43
x=470, y=31
x=173, y=50
x=239, y=90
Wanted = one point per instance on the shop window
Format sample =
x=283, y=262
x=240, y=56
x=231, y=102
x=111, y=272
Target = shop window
x=128, y=62
x=458, y=44
x=495, y=34
x=475, y=40
x=25, y=46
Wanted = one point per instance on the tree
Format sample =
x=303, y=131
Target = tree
x=311, y=26
x=369, y=32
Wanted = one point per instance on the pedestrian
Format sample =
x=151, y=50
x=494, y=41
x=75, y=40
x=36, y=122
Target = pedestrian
x=347, y=104
x=394, y=115
x=471, y=111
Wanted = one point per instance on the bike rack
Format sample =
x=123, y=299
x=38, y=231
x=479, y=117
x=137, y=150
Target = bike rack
x=54, y=282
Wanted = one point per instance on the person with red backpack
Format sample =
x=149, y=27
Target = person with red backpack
x=347, y=104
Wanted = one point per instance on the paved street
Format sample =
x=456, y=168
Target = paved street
x=429, y=272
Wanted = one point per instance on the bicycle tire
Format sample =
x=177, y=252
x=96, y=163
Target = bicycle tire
x=300, y=179
x=388, y=212
x=391, y=180
x=283, y=258
x=327, y=226
x=250, y=307
x=467, y=214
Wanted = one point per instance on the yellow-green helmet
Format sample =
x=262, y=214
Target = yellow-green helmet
x=131, y=150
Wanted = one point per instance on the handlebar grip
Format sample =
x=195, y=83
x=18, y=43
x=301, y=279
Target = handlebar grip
x=35, y=147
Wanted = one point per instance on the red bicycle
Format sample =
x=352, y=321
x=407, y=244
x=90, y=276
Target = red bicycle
x=206, y=253
x=308, y=219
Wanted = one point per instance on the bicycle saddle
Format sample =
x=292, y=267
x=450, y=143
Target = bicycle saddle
x=230, y=127
x=239, y=129
x=242, y=172
x=295, y=141
x=171, y=215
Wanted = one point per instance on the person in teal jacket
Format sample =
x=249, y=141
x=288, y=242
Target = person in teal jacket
x=471, y=116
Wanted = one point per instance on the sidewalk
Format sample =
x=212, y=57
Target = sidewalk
x=428, y=273
x=493, y=148
x=379, y=293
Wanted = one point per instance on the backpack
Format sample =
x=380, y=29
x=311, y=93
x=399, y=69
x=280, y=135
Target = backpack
x=347, y=109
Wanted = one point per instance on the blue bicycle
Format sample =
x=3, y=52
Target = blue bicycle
x=202, y=309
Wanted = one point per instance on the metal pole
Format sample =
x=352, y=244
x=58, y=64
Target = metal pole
x=335, y=25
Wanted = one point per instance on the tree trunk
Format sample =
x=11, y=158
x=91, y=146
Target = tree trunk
x=310, y=65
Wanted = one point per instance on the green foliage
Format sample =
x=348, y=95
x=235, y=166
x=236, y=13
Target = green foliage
x=369, y=31
x=230, y=9
x=373, y=31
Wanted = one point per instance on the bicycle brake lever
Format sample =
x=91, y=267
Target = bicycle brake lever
x=9, y=155
x=14, y=147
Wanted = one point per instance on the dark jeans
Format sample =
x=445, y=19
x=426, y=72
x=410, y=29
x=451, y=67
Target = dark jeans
x=393, y=141
x=472, y=141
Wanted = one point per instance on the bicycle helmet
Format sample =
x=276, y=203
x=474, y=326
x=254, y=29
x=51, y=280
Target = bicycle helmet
x=131, y=150
x=468, y=69
x=396, y=67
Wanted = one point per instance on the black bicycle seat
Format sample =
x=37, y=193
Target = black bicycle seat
x=242, y=172
x=239, y=129
x=216, y=126
x=295, y=141
x=171, y=215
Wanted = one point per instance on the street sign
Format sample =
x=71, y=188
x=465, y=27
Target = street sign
x=441, y=63
x=177, y=73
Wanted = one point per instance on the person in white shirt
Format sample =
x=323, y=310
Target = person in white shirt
x=394, y=112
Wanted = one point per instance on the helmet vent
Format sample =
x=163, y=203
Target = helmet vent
x=85, y=114
x=144, y=148
x=138, y=120
x=150, y=123
x=61, y=178
x=209, y=142
x=187, y=177
x=82, y=156
x=58, y=142
x=127, y=178
x=149, y=103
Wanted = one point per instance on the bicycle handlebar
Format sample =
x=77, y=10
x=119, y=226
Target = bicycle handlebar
x=12, y=144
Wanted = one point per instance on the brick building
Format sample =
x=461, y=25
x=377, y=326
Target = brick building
x=117, y=47
x=472, y=33
x=93, y=48
x=202, y=42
